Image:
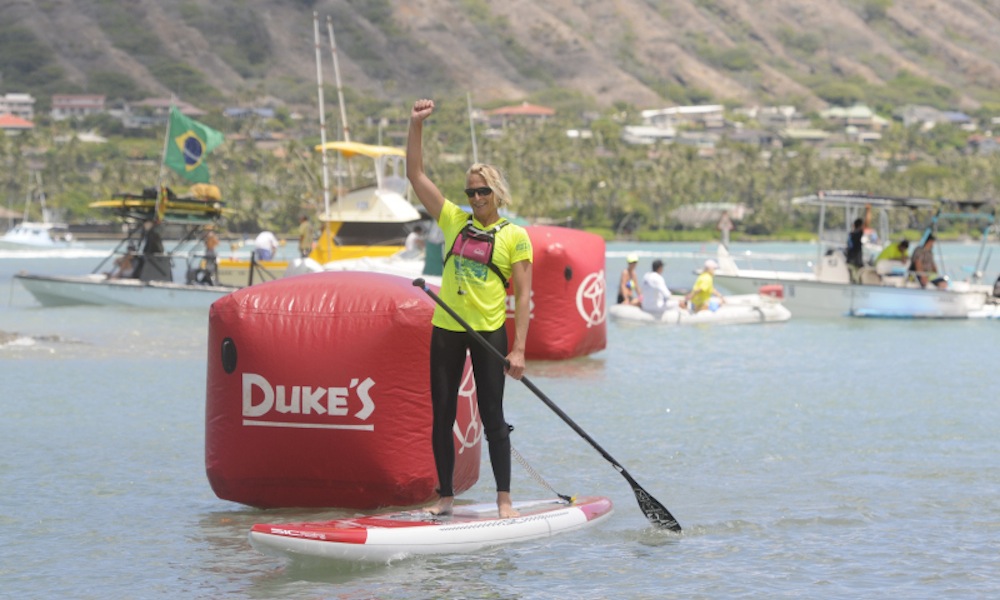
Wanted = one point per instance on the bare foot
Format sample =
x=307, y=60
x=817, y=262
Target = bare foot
x=505, y=507
x=443, y=506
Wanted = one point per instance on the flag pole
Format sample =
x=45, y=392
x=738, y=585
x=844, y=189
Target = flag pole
x=163, y=164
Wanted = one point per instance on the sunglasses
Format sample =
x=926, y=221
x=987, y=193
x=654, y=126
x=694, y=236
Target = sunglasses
x=482, y=191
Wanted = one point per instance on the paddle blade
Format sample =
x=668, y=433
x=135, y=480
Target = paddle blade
x=656, y=513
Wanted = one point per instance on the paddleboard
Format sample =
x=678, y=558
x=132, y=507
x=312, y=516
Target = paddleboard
x=396, y=535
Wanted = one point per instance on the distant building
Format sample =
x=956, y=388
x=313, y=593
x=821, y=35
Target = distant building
x=703, y=116
x=524, y=112
x=73, y=106
x=775, y=117
x=154, y=112
x=859, y=116
x=648, y=134
x=240, y=112
x=19, y=105
x=13, y=124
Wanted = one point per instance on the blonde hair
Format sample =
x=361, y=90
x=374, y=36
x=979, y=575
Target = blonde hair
x=495, y=179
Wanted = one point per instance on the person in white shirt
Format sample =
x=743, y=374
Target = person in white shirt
x=656, y=297
x=415, y=240
x=265, y=245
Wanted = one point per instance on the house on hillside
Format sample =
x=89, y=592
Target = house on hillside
x=76, y=106
x=241, y=113
x=19, y=105
x=775, y=118
x=520, y=113
x=702, y=116
x=859, y=116
x=154, y=112
x=14, y=125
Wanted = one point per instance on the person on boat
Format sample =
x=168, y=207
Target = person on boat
x=414, y=240
x=725, y=226
x=477, y=292
x=893, y=257
x=211, y=241
x=125, y=265
x=305, y=236
x=628, y=286
x=923, y=268
x=656, y=296
x=703, y=290
x=265, y=245
x=151, y=264
x=855, y=244
x=897, y=251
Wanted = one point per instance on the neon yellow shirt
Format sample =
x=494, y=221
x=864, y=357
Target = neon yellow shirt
x=483, y=301
x=891, y=252
x=702, y=290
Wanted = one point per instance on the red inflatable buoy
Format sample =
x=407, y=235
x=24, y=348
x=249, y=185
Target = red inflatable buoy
x=318, y=395
x=568, y=307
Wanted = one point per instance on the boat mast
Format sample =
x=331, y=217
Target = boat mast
x=345, y=128
x=336, y=73
x=322, y=119
x=472, y=128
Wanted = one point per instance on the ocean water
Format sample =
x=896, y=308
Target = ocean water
x=825, y=458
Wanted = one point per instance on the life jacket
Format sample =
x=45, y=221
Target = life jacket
x=477, y=245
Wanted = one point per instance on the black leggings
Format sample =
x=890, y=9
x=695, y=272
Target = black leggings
x=447, y=364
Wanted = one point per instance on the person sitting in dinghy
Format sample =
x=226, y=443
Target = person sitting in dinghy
x=628, y=287
x=656, y=296
x=701, y=295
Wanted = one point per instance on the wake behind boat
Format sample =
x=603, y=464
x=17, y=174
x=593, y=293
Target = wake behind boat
x=765, y=307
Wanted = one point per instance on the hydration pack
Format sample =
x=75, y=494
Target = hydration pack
x=477, y=245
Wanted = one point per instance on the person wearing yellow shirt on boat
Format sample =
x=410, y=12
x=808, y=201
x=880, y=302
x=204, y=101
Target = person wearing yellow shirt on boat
x=898, y=251
x=893, y=258
x=700, y=296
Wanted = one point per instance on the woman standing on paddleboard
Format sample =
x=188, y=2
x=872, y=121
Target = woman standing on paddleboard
x=485, y=252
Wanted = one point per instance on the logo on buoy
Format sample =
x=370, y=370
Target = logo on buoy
x=332, y=404
x=590, y=299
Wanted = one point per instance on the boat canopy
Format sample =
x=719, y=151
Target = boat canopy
x=850, y=198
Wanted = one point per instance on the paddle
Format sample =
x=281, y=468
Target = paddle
x=650, y=506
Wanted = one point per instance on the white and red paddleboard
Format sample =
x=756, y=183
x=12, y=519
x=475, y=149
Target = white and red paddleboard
x=392, y=536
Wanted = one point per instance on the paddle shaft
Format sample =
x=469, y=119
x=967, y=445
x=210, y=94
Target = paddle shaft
x=653, y=510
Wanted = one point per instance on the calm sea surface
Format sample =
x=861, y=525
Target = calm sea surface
x=832, y=458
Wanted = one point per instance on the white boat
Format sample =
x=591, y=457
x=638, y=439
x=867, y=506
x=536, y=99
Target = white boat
x=31, y=234
x=155, y=285
x=884, y=290
x=370, y=220
x=737, y=309
x=37, y=234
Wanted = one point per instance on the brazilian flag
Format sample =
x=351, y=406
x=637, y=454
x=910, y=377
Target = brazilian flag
x=188, y=143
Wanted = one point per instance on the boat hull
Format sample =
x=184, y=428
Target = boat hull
x=738, y=310
x=811, y=298
x=101, y=291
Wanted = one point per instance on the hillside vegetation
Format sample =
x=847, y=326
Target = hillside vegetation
x=645, y=53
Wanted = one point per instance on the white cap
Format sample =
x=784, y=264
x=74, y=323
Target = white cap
x=711, y=264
